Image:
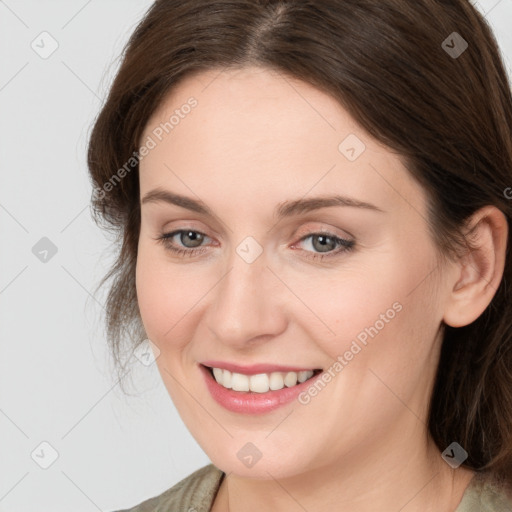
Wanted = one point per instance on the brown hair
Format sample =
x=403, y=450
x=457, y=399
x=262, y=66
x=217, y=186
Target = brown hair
x=387, y=62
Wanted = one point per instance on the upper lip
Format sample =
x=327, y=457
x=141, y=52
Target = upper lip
x=254, y=369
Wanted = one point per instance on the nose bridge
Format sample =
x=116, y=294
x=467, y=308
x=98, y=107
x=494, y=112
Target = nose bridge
x=246, y=302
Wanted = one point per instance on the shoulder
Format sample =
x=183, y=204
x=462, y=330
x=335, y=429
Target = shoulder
x=486, y=494
x=195, y=493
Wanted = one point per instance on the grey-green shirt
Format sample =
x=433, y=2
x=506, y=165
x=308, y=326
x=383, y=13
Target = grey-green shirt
x=196, y=493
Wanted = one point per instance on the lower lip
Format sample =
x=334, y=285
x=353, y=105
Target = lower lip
x=247, y=402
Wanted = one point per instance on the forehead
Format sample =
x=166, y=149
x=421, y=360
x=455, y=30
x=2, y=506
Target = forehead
x=256, y=128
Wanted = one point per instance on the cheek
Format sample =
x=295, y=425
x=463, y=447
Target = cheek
x=172, y=297
x=164, y=295
x=365, y=299
x=380, y=314
x=358, y=302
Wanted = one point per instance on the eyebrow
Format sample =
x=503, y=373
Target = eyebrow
x=285, y=209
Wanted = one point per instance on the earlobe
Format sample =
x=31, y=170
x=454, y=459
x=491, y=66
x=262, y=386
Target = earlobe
x=480, y=270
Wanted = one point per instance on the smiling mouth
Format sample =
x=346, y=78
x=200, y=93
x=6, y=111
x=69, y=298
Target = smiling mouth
x=262, y=382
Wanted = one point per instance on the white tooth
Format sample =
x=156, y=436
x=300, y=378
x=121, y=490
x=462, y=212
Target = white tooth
x=276, y=381
x=304, y=375
x=290, y=379
x=259, y=383
x=227, y=379
x=217, y=373
x=240, y=382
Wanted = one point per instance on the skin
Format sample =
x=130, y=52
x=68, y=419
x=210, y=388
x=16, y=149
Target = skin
x=256, y=139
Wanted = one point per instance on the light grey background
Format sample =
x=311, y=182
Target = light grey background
x=56, y=382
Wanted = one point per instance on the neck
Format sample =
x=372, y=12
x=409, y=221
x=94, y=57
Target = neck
x=405, y=478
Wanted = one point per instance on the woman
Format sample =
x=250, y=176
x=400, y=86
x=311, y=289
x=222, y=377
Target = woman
x=313, y=200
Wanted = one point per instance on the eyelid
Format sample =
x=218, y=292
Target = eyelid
x=317, y=233
x=169, y=235
x=299, y=234
x=320, y=228
x=344, y=245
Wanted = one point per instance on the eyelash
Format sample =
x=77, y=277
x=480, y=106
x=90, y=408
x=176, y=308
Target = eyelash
x=344, y=245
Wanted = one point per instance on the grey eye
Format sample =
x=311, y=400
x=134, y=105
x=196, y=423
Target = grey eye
x=191, y=239
x=325, y=243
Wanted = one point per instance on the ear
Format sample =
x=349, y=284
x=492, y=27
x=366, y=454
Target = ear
x=478, y=273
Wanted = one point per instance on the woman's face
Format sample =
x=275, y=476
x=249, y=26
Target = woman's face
x=250, y=285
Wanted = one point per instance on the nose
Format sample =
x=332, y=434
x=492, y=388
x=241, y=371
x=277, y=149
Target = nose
x=248, y=305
